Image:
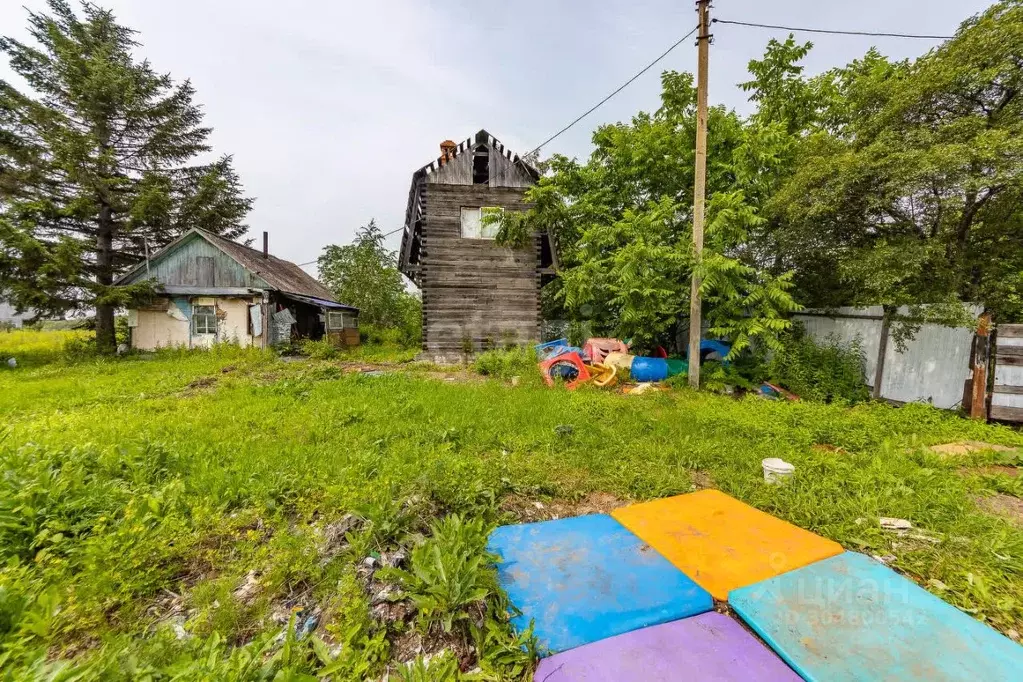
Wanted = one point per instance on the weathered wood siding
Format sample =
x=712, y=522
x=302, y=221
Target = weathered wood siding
x=476, y=294
x=1007, y=398
x=197, y=263
x=504, y=172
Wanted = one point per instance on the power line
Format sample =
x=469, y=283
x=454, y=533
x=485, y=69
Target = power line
x=622, y=87
x=822, y=30
x=383, y=236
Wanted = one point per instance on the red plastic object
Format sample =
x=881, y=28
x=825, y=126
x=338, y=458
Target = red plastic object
x=598, y=348
x=661, y=353
x=574, y=360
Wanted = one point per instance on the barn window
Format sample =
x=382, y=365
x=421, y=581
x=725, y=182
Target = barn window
x=481, y=223
x=204, y=319
x=481, y=166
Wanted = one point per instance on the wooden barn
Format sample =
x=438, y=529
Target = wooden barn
x=476, y=294
x=213, y=290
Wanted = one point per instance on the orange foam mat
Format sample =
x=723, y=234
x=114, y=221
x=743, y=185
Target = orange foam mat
x=722, y=543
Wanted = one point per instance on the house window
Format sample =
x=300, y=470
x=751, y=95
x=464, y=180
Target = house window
x=481, y=166
x=204, y=319
x=338, y=320
x=481, y=223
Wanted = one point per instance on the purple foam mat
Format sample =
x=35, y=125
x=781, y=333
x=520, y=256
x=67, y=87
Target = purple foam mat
x=710, y=647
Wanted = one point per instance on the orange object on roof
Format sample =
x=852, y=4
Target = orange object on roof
x=722, y=543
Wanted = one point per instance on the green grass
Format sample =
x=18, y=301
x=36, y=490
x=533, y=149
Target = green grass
x=140, y=492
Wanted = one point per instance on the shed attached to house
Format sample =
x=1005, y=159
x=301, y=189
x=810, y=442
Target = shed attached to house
x=213, y=290
x=476, y=293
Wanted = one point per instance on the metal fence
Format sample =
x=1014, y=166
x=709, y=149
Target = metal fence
x=933, y=368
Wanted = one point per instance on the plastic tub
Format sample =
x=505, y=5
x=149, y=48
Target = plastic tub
x=776, y=470
x=649, y=369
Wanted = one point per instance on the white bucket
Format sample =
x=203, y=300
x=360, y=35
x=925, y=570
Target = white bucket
x=776, y=470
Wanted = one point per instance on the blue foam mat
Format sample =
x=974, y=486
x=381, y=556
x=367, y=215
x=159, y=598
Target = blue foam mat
x=852, y=618
x=588, y=578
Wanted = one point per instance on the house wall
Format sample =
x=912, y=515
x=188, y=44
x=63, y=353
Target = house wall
x=8, y=315
x=169, y=323
x=475, y=292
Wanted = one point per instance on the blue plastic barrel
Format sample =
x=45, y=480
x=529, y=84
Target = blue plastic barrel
x=649, y=369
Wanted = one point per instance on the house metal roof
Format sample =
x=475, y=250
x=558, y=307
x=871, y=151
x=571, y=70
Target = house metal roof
x=279, y=274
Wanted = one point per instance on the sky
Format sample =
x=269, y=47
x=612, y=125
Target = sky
x=329, y=106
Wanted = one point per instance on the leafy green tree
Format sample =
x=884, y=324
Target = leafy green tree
x=97, y=162
x=623, y=225
x=907, y=185
x=365, y=274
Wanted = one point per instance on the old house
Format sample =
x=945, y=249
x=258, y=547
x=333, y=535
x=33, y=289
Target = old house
x=10, y=317
x=476, y=293
x=213, y=290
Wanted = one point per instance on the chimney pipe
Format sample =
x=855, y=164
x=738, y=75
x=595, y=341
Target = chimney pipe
x=447, y=151
x=266, y=245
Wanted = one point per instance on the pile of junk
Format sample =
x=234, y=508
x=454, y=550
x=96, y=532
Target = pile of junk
x=607, y=362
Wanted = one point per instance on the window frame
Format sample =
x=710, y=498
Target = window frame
x=480, y=212
x=207, y=318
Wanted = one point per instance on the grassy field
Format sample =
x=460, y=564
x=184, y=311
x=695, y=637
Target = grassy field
x=168, y=517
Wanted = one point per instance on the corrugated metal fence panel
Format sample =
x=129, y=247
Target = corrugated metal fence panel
x=933, y=368
x=1007, y=399
x=851, y=324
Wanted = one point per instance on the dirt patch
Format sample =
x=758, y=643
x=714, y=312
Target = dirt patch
x=827, y=447
x=702, y=479
x=412, y=644
x=527, y=511
x=966, y=447
x=991, y=470
x=458, y=376
x=201, y=383
x=1006, y=506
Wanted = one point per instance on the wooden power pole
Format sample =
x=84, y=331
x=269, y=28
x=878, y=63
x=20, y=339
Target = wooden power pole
x=700, y=191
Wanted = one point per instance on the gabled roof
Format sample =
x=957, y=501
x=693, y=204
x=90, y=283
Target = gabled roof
x=418, y=177
x=279, y=274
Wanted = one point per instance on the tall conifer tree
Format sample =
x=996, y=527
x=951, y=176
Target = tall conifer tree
x=100, y=158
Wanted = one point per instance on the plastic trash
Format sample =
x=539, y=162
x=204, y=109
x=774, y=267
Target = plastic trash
x=777, y=470
x=677, y=367
x=649, y=369
x=598, y=348
x=12, y=363
x=568, y=367
x=640, y=389
x=622, y=362
x=604, y=376
x=710, y=347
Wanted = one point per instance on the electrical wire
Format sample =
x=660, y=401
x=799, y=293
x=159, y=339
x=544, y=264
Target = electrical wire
x=832, y=32
x=679, y=42
x=620, y=88
x=383, y=236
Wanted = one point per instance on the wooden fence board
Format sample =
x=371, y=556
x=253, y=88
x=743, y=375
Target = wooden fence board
x=1010, y=331
x=1009, y=414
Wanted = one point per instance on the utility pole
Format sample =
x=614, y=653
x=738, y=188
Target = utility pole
x=700, y=191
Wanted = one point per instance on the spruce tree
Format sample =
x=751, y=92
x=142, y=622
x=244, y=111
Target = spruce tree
x=100, y=158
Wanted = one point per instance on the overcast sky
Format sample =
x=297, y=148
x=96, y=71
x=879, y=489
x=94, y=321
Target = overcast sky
x=328, y=106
